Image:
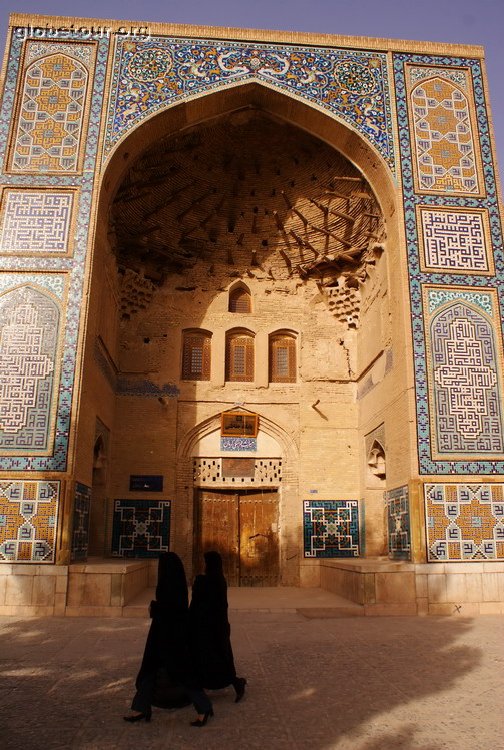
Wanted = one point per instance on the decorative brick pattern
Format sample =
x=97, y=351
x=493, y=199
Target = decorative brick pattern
x=35, y=222
x=208, y=471
x=28, y=520
x=465, y=522
x=331, y=528
x=141, y=528
x=398, y=521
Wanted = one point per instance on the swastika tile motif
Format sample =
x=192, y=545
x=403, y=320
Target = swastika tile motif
x=150, y=74
x=454, y=240
x=331, y=528
x=141, y=528
x=35, y=222
x=28, y=520
x=49, y=125
x=29, y=332
x=465, y=370
x=465, y=522
x=398, y=521
x=445, y=157
x=80, y=531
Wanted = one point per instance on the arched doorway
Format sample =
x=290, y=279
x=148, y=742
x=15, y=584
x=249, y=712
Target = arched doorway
x=255, y=189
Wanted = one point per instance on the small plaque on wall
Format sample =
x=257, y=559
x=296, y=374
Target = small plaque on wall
x=238, y=467
x=146, y=483
x=239, y=424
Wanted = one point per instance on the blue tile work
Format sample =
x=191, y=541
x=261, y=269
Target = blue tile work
x=237, y=444
x=141, y=528
x=398, y=522
x=48, y=264
x=35, y=221
x=28, y=520
x=430, y=462
x=30, y=346
x=464, y=522
x=465, y=372
x=331, y=528
x=80, y=532
x=151, y=74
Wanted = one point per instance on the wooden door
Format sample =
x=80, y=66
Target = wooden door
x=243, y=527
x=217, y=529
x=258, y=548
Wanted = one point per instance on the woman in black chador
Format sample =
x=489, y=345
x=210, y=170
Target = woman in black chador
x=168, y=646
x=210, y=628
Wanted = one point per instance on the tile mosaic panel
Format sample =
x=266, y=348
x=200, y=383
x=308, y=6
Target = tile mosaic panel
x=454, y=240
x=28, y=520
x=464, y=371
x=29, y=370
x=52, y=111
x=80, y=532
x=238, y=444
x=398, y=522
x=141, y=528
x=466, y=74
x=331, y=528
x=465, y=522
x=445, y=152
x=35, y=222
x=150, y=74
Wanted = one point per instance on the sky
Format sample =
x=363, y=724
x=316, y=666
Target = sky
x=451, y=21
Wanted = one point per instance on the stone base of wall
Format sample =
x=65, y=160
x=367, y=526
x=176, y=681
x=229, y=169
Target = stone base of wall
x=99, y=589
x=385, y=587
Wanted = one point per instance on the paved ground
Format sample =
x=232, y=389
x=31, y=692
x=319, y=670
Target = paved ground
x=328, y=683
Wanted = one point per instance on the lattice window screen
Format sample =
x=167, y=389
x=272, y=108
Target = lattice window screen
x=282, y=358
x=240, y=358
x=196, y=356
x=239, y=301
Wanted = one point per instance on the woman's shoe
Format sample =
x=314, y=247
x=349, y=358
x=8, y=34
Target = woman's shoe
x=201, y=722
x=138, y=717
x=239, y=686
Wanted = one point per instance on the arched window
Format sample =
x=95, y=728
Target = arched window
x=282, y=358
x=240, y=357
x=240, y=300
x=196, y=355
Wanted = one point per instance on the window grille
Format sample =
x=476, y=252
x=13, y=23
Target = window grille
x=282, y=356
x=196, y=356
x=240, y=358
x=239, y=301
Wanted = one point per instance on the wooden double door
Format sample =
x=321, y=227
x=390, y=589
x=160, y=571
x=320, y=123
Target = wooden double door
x=243, y=527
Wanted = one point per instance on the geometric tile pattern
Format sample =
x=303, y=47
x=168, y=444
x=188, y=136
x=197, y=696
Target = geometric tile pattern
x=331, y=528
x=29, y=328
x=28, y=520
x=466, y=282
x=465, y=522
x=465, y=372
x=50, y=118
x=398, y=518
x=445, y=155
x=80, y=533
x=154, y=72
x=141, y=528
x=35, y=221
x=454, y=240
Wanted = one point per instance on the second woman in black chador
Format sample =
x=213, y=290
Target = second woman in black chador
x=210, y=628
x=168, y=647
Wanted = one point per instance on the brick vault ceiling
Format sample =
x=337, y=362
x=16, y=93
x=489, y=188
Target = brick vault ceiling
x=246, y=190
